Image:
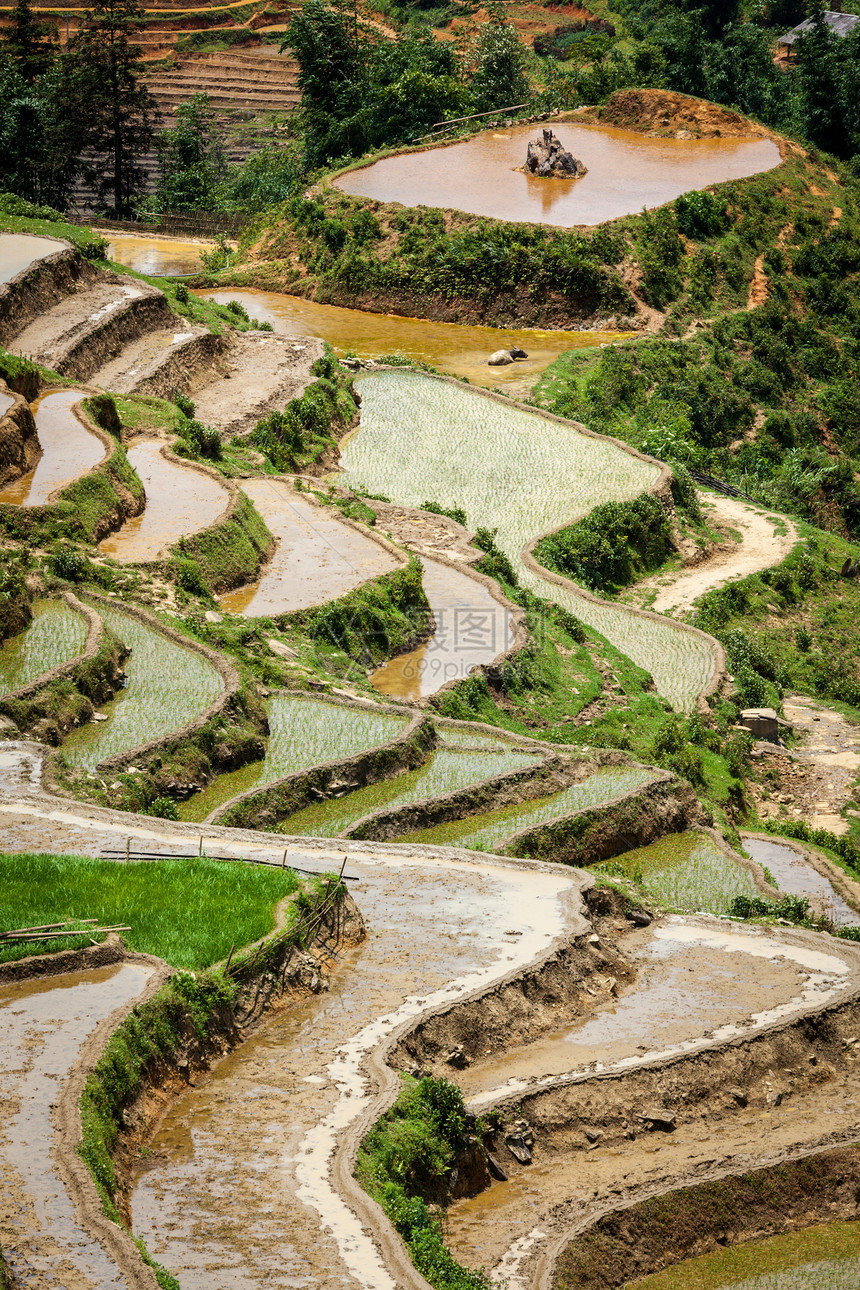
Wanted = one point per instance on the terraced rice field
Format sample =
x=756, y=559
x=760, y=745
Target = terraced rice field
x=523, y=475
x=488, y=831
x=69, y=450
x=303, y=733
x=19, y=250
x=445, y=772
x=450, y=737
x=55, y=635
x=167, y=686
x=825, y=1257
x=686, y=872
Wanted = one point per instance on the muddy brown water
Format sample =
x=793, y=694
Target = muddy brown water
x=794, y=874
x=626, y=171
x=43, y=1025
x=317, y=557
x=68, y=451
x=451, y=347
x=18, y=250
x=179, y=502
x=472, y=628
x=159, y=257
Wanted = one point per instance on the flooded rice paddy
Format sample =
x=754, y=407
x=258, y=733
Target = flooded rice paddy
x=6, y=402
x=686, y=872
x=303, y=733
x=55, y=635
x=626, y=171
x=451, y=347
x=166, y=686
x=19, y=250
x=487, y=831
x=450, y=736
x=521, y=474
x=43, y=1025
x=69, y=450
x=472, y=629
x=445, y=772
x=180, y=501
x=824, y=1257
x=158, y=257
x=793, y=873
x=317, y=558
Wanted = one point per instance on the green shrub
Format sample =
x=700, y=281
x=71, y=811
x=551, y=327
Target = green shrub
x=164, y=807
x=612, y=545
x=185, y=404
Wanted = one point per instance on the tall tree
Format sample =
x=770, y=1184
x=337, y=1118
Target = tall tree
x=118, y=106
x=30, y=41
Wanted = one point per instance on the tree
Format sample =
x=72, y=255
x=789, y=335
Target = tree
x=116, y=103
x=191, y=158
x=31, y=42
x=499, y=78
x=42, y=132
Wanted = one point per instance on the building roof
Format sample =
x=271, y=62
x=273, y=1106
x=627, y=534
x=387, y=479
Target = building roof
x=839, y=23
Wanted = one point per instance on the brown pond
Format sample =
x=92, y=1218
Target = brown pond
x=160, y=257
x=179, y=501
x=471, y=628
x=43, y=1025
x=626, y=171
x=317, y=557
x=68, y=451
x=18, y=250
x=463, y=351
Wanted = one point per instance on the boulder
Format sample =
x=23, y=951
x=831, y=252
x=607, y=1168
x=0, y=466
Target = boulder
x=501, y=358
x=547, y=157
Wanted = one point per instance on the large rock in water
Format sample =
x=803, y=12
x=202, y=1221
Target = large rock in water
x=547, y=157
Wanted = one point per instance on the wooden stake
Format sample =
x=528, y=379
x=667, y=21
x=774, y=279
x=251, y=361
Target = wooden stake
x=230, y=957
x=200, y=852
x=127, y=848
x=284, y=861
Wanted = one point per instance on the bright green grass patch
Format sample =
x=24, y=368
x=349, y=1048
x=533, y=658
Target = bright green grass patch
x=445, y=772
x=683, y=871
x=188, y=912
x=56, y=635
x=487, y=831
x=145, y=412
x=826, y=1257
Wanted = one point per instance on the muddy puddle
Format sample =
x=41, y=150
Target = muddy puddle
x=20, y=768
x=43, y=1025
x=55, y=635
x=179, y=501
x=793, y=873
x=823, y=1257
x=317, y=557
x=68, y=451
x=18, y=250
x=626, y=171
x=460, y=350
x=492, y=829
x=236, y=1190
x=158, y=257
x=472, y=629
x=522, y=475
x=302, y=733
x=166, y=686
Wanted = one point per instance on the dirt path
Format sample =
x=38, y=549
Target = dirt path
x=761, y=546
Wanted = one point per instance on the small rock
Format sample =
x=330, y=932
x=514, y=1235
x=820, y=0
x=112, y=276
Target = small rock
x=659, y=1117
x=739, y=1095
x=501, y=358
x=773, y=1097
x=518, y=1149
x=593, y=1135
x=212, y=616
x=594, y=939
x=282, y=650
x=638, y=917
x=457, y=1058
x=100, y=716
x=495, y=1168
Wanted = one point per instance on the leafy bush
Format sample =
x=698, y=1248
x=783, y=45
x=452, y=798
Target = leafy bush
x=164, y=807
x=612, y=545
x=198, y=440
x=185, y=404
x=68, y=564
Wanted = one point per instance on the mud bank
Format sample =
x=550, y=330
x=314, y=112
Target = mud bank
x=19, y=443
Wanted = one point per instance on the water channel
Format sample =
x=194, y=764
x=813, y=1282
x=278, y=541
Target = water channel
x=794, y=873
x=626, y=172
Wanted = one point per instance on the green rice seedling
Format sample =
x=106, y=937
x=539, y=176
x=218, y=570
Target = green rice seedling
x=303, y=733
x=824, y=1257
x=55, y=635
x=488, y=831
x=450, y=737
x=188, y=912
x=521, y=474
x=167, y=686
x=686, y=872
x=445, y=772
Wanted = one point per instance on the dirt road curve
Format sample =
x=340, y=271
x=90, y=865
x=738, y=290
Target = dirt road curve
x=761, y=546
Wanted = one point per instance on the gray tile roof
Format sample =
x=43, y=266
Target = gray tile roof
x=839, y=23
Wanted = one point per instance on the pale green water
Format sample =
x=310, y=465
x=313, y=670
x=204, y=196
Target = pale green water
x=684, y=871
x=445, y=772
x=303, y=733
x=521, y=474
x=55, y=635
x=824, y=1257
x=167, y=686
x=487, y=831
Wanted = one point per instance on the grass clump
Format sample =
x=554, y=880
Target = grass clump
x=406, y=1161
x=310, y=425
x=177, y=909
x=610, y=547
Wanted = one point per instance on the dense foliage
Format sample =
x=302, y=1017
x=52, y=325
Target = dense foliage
x=614, y=544
x=309, y=425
